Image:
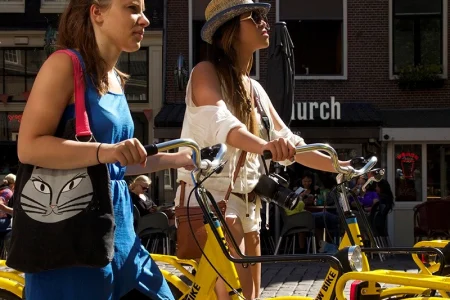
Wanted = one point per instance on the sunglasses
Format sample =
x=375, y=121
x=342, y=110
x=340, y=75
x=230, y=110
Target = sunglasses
x=144, y=188
x=257, y=18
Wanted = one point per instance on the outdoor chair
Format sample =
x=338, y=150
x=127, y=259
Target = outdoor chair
x=296, y=223
x=154, y=228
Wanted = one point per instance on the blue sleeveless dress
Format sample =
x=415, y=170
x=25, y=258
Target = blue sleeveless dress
x=132, y=267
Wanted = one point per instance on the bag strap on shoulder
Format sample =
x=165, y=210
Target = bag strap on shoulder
x=79, y=86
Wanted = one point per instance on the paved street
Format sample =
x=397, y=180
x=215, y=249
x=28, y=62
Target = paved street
x=305, y=279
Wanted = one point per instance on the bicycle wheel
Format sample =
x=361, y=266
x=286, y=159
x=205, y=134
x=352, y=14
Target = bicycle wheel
x=5, y=295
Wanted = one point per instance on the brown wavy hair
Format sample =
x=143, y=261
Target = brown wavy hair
x=224, y=57
x=77, y=32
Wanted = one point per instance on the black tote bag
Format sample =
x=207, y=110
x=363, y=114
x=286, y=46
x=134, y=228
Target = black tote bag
x=63, y=218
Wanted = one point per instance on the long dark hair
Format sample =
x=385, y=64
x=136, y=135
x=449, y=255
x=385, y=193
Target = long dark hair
x=386, y=193
x=77, y=32
x=224, y=57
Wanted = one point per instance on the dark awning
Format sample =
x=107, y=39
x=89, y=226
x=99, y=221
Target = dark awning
x=416, y=118
x=358, y=123
x=169, y=120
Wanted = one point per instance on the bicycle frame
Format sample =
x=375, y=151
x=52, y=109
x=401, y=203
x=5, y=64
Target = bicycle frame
x=216, y=248
x=435, y=267
x=353, y=237
x=11, y=280
x=212, y=263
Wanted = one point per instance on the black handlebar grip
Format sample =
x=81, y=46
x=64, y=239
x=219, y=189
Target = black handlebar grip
x=151, y=149
x=267, y=154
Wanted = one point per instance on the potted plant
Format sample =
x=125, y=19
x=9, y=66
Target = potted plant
x=420, y=77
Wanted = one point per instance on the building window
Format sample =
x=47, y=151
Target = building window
x=318, y=31
x=408, y=174
x=136, y=65
x=154, y=11
x=417, y=34
x=438, y=171
x=168, y=185
x=169, y=176
x=12, y=57
x=199, y=47
x=18, y=70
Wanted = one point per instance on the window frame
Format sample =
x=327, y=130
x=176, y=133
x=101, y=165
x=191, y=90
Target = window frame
x=344, y=75
x=147, y=65
x=12, y=52
x=444, y=34
x=191, y=45
x=423, y=168
x=22, y=61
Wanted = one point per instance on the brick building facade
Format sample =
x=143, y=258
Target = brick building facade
x=368, y=65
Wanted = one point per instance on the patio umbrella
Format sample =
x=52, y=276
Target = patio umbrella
x=281, y=72
x=280, y=83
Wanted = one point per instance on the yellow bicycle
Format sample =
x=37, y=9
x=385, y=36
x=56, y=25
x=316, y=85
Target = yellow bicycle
x=216, y=261
x=12, y=283
x=349, y=263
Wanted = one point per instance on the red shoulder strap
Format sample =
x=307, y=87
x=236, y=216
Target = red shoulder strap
x=81, y=118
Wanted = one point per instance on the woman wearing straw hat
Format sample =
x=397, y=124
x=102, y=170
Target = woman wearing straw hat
x=222, y=107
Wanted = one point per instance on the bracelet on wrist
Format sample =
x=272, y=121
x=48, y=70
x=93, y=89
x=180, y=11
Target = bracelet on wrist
x=98, y=150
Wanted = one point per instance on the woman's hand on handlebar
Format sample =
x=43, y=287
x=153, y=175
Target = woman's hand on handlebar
x=128, y=152
x=281, y=149
x=183, y=159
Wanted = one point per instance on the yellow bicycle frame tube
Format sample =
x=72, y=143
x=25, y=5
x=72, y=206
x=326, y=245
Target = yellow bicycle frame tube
x=439, y=283
x=205, y=279
x=434, y=267
x=327, y=290
x=11, y=280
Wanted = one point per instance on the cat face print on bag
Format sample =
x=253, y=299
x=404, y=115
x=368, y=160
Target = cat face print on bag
x=50, y=197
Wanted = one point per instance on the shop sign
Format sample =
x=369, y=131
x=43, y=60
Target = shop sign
x=407, y=162
x=14, y=120
x=311, y=110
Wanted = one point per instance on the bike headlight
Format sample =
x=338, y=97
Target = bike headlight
x=355, y=259
x=351, y=258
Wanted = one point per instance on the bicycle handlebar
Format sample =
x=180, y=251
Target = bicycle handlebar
x=376, y=176
x=349, y=171
x=201, y=164
x=207, y=165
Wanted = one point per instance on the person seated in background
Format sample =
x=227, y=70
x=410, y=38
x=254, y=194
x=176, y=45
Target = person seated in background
x=386, y=197
x=367, y=198
x=139, y=188
x=310, y=190
x=323, y=219
x=6, y=194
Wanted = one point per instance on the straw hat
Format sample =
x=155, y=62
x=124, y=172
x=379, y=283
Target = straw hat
x=218, y=12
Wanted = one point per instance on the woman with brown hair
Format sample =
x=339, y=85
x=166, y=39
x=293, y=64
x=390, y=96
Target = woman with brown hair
x=223, y=105
x=97, y=31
